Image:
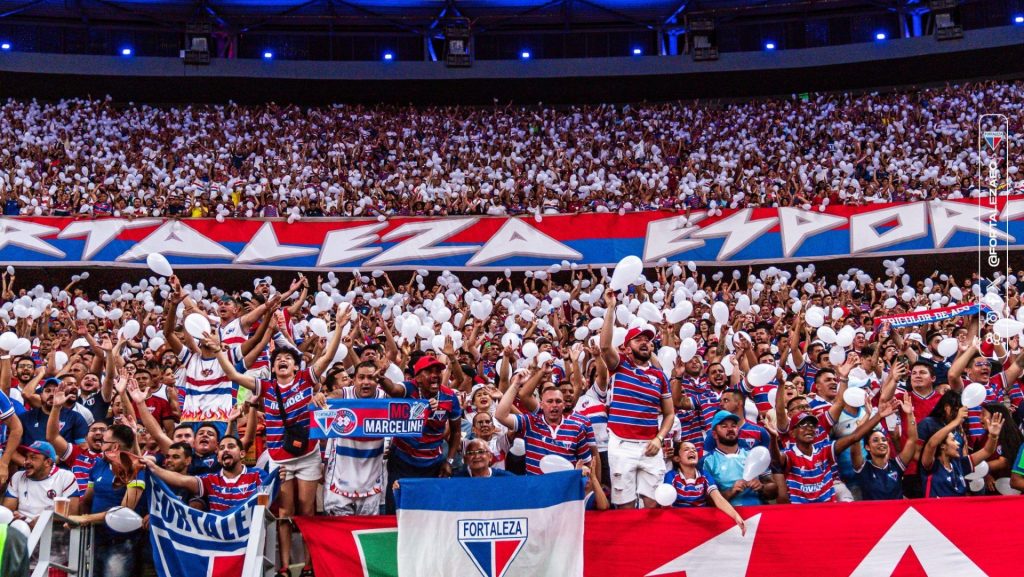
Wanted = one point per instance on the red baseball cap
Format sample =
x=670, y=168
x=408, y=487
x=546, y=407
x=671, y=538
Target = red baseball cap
x=425, y=363
x=800, y=417
x=636, y=332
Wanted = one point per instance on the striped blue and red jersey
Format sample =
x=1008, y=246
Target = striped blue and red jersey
x=425, y=450
x=706, y=403
x=222, y=493
x=296, y=397
x=81, y=462
x=634, y=404
x=571, y=439
x=809, y=478
x=592, y=405
x=809, y=372
x=691, y=492
x=994, y=393
x=760, y=394
x=690, y=423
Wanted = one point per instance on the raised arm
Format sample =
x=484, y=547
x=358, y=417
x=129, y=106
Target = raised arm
x=227, y=366
x=956, y=371
x=152, y=426
x=910, y=443
x=503, y=412
x=53, y=436
x=173, y=479
x=995, y=425
x=321, y=363
x=928, y=454
x=608, y=352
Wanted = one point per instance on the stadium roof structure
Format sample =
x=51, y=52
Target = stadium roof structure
x=421, y=16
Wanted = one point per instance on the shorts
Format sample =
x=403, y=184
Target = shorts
x=632, y=472
x=305, y=468
x=341, y=506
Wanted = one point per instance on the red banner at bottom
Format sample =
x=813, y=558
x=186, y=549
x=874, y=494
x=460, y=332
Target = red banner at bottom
x=962, y=537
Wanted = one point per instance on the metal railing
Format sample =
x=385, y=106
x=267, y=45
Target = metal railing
x=261, y=551
x=80, y=549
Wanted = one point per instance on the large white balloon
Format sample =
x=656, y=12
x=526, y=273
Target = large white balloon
x=1007, y=327
x=123, y=520
x=980, y=470
x=855, y=397
x=626, y=272
x=845, y=336
x=21, y=347
x=826, y=334
x=554, y=464
x=8, y=340
x=158, y=264
x=948, y=346
x=667, y=357
x=973, y=395
x=665, y=495
x=518, y=447
x=720, y=312
x=130, y=329
x=837, y=355
x=687, y=350
x=757, y=463
x=530, y=349
x=649, y=312
x=814, y=317
x=319, y=327
x=1004, y=488
x=60, y=358
x=761, y=375
x=197, y=325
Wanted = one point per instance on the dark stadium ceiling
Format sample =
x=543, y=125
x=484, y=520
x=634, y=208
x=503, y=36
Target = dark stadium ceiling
x=420, y=16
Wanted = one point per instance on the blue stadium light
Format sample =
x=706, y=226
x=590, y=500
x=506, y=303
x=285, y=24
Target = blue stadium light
x=638, y=51
x=126, y=52
x=769, y=46
x=525, y=55
x=5, y=46
x=1016, y=20
x=268, y=55
x=389, y=56
x=880, y=36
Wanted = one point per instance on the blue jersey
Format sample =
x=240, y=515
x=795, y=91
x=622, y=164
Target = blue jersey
x=939, y=481
x=72, y=426
x=883, y=483
x=725, y=469
x=106, y=495
x=572, y=439
x=425, y=451
x=635, y=402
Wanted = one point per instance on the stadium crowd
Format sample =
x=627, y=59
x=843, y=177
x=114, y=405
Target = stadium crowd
x=96, y=158
x=677, y=380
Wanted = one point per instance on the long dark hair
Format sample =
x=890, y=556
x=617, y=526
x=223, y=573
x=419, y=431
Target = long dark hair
x=949, y=400
x=1010, y=438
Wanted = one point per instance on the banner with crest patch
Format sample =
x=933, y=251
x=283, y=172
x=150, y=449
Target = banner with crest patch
x=368, y=419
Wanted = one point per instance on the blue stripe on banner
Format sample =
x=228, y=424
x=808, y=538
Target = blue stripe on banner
x=344, y=451
x=494, y=494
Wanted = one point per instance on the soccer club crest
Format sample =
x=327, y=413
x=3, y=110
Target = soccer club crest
x=345, y=422
x=492, y=544
x=992, y=138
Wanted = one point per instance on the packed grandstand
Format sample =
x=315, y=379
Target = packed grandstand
x=245, y=340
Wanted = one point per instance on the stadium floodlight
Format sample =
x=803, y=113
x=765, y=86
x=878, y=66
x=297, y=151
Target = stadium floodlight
x=880, y=36
x=769, y=46
x=638, y=51
x=525, y=54
x=5, y=46
x=126, y=51
x=389, y=56
x=268, y=55
x=1016, y=20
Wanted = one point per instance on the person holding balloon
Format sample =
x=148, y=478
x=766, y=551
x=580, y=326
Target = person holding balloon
x=737, y=471
x=881, y=476
x=944, y=468
x=686, y=486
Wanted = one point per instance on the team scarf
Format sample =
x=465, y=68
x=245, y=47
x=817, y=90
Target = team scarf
x=931, y=315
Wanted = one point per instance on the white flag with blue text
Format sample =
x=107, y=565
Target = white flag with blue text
x=498, y=527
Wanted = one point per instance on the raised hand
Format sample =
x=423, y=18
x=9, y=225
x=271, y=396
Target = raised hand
x=135, y=394
x=610, y=300
x=995, y=424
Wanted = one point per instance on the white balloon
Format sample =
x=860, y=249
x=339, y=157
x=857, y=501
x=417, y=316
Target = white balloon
x=554, y=464
x=6, y=516
x=626, y=272
x=855, y=397
x=837, y=355
x=720, y=312
x=155, y=343
x=510, y=340
x=772, y=395
x=323, y=301
x=543, y=358
x=21, y=347
x=8, y=340
x=649, y=312
x=530, y=349
x=1007, y=327
x=441, y=314
x=845, y=336
x=687, y=330
x=394, y=373
x=949, y=346
x=743, y=304
x=618, y=336
x=667, y=357
x=196, y=325
x=727, y=365
x=60, y=358
x=973, y=395
x=761, y=375
x=319, y=327
x=757, y=463
x=123, y=520
x=130, y=329
x=980, y=470
x=687, y=350
x=158, y=264
x=827, y=335
x=518, y=447
x=814, y=317
x=976, y=485
x=665, y=495
x=1004, y=488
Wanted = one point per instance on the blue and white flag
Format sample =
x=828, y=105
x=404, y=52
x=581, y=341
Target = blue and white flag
x=194, y=543
x=499, y=527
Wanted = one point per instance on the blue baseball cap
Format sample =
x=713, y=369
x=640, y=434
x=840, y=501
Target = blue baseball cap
x=50, y=381
x=723, y=416
x=41, y=447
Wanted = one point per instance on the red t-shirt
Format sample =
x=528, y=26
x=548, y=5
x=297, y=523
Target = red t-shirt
x=159, y=408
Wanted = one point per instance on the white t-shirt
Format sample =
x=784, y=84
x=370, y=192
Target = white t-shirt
x=34, y=497
x=355, y=467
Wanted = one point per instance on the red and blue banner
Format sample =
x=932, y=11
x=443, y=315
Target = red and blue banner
x=929, y=316
x=189, y=541
x=368, y=418
x=962, y=537
x=748, y=235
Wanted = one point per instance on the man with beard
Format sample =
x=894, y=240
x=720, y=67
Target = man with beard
x=71, y=397
x=93, y=398
x=354, y=475
x=749, y=435
x=725, y=464
x=204, y=440
x=706, y=402
x=34, y=489
x=26, y=377
x=72, y=426
x=232, y=486
x=80, y=458
x=639, y=394
x=423, y=456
